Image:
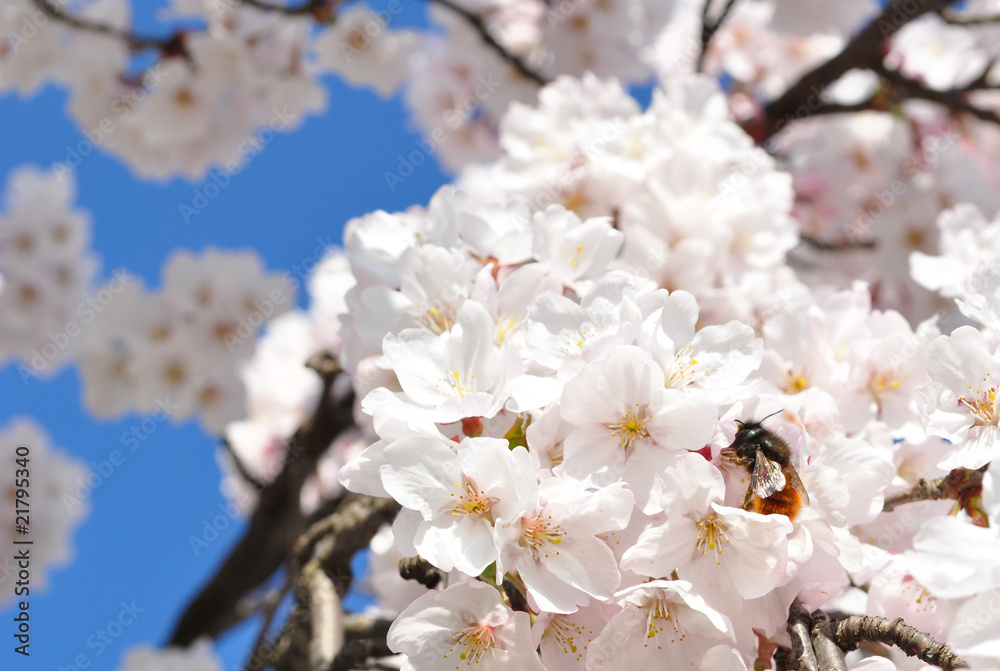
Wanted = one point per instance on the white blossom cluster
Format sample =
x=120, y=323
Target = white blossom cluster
x=700, y=206
x=47, y=478
x=548, y=414
x=46, y=270
x=552, y=357
x=206, y=103
x=198, y=657
x=212, y=93
x=175, y=351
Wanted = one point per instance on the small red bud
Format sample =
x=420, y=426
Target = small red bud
x=472, y=426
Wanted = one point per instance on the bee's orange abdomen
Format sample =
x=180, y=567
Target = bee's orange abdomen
x=786, y=502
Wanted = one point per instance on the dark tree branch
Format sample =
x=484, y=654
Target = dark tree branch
x=783, y=660
x=172, y=45
x=953, y=99
x=829, y=656
x=827, y=108
x=262, y=647
x=351, y=529
x=865, y=51
x=476, y=23
x=420, y=570
x=360, y=627
x=851, y=631
x=325, y=552
x=320, y=9
x=356, y=653
x=803, y=657
x=980, y=83
x=959, y=20
x=325, y=615
x=335, y=538
x=961, y=485
x=827, y=246
x=275, y=524
x=241, y=468
x=709, y=27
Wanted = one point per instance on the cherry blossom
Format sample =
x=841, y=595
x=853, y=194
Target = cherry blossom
x=959, y=404
x=455, y=498
x=556, y=548
x=467, y=625
x=662, y=624
x=628, y=426
x=57, y=485
x=710, y=544
x=549, y=358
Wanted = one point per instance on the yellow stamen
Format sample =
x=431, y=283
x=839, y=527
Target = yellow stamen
x=982, y=404
x=477, y=639
x=711, y=536
x=537, y=532
x=630, y=428
x=659, y=614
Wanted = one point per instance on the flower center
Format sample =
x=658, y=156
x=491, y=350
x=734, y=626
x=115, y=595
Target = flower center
x=630, y=428
x=183, y=97
x=796, y=382
x=576, y=339
x=923, y=601
x=470, y=501
x=477, y=639
x=436, y=319
x=575, y=257
x=982, y=404
x=711, y=535
x=537, y=531
x=684, y=368
x=881, y=383
x=506, y=325
x=565, y=632
x=658, y=617
x=459, y=384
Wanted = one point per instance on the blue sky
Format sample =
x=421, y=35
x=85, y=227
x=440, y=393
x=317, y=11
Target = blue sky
x=133, y=547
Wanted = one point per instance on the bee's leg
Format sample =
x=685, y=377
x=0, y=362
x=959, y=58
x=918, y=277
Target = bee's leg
x=748, y=500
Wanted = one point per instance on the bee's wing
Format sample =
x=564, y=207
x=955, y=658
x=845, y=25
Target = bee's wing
x=767, y=477
x=798, y=486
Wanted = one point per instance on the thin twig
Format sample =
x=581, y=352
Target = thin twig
x=865, y=51
x=960, y=485
x=316, y=8
x=261, y=649
x=709, y=27
x=241, y=467
x=953, y=99
x=826, y=246
x=172, y=45
x=851, y=631
x=959, y=20
x=321, y=10
x=476, y=23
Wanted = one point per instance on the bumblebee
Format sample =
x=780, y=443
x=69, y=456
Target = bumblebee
x=775, y=487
